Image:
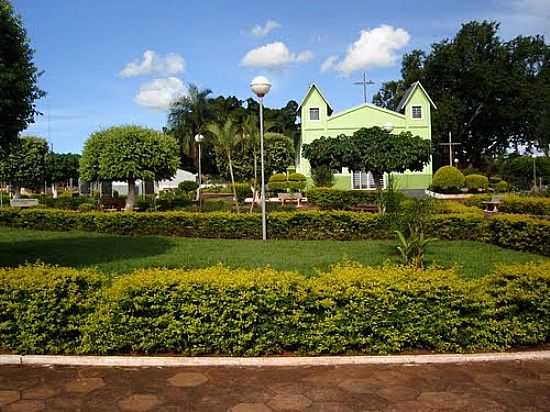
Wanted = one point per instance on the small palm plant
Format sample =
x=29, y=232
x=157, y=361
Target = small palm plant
x=413, y=248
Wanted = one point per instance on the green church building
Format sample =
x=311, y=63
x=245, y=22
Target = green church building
x=413, y=114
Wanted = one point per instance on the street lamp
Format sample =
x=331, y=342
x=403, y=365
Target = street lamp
x=261, y=86
x=199, y=139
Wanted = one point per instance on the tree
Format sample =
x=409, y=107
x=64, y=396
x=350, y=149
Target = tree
x=22, y=163
x=226, y=135
x=18, y=77
x=370, y=149
x=188, y=117
x=491, y=94
x=62, y=168
x=129, y=153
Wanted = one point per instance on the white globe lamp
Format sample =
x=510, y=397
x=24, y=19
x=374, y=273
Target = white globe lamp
x=260, y=86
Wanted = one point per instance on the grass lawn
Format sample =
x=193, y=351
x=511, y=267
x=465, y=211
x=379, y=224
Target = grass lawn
x=119, y=254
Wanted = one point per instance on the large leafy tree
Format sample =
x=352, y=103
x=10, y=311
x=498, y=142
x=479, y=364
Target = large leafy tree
x=491, y=94
x=62, y=167
x=129, y=153
x=18, y=77
x=22, y=163
x=370, y=149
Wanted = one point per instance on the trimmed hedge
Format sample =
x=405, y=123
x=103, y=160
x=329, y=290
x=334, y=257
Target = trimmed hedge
x=334, y=199
x=448, y=179
x=529, y=205
x=512, y=231
x=476, y=183
x=352, y=309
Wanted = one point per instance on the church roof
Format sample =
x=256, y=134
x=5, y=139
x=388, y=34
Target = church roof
x=408, y=94
x=311, y=87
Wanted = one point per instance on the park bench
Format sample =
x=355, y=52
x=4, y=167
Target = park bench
x=285, y=198
x=491, y=207
x=23, y=202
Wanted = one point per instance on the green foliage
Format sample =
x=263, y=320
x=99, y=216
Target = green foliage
x=19, y=89
x=322, y=176
x=86, y=207
x=188, y=186
x=278, y=182
x=373, y=149
x=61, y=167
x=502, y=186
x=335, y=199
x=412, y=246
x=351, y=309
x=491, y=93
x=448, y=179
x=521, y=233
x=476, y=183
x=519, y=170
x=296, y=182
x=66, y=201
x=516, y=204
x=43, y=309
x=23, y=162
x=170, y=199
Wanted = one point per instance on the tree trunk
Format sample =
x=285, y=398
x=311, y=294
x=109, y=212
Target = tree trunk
x=131, y=199
x=233, y=183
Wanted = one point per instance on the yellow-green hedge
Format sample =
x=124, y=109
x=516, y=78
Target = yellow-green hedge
x=352, y=309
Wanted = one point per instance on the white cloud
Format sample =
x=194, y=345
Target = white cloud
x=153, y=63
x=268, y=27
x=525, y=17
x=158, y=94
x=274, y=56
x=374, y=48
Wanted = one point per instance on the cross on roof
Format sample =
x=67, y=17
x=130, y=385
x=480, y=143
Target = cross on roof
x=450, y=145
x=364, y=83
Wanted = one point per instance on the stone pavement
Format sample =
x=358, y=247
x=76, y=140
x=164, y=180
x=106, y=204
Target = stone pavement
x=499, y=386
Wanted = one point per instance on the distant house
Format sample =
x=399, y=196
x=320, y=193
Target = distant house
x=413, y=114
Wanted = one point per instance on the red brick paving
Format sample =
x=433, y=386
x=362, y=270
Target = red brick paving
x=483, y=387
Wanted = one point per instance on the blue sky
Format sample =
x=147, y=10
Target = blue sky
x=116, y=62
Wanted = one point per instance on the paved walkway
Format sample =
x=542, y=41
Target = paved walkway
x=502, y=386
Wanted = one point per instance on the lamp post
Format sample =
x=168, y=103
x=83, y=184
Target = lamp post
x=199, y=139
x=261, y=86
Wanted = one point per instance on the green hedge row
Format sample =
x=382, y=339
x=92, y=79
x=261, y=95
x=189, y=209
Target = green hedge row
x=351, y=309
x=528, y=205
x=334, y=199
x=512, y=231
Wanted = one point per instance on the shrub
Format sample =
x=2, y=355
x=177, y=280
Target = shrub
x=521, y=233
x=188, y=186
x=335, y=199
x=86, y=207
x=476, y=183
x=448, y=179
x=170, y=199
x=43, y=309
x=243, y=191
x=278, y=182
x=322, y=176
x=350, y=309
x=501, y=186
x=530, y=205
x=296, y=182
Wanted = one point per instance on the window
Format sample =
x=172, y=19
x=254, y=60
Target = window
x=417, y=112
x=362, y=180
x=314, y=113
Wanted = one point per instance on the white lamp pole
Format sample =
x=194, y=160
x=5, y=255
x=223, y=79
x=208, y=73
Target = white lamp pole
x=199, y=139
x=261, y=86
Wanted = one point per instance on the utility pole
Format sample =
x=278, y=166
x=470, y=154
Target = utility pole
x=450, y=144
x=364, y=83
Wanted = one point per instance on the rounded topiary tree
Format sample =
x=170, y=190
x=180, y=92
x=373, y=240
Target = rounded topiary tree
x=502, y=186
x=23, y=163
x=296, y=182
x=476, y=183
x=278, y=181
x=448, y=179
x=129, y=153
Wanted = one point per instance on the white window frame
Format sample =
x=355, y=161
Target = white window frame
x=318, y=114
x=368, y=182
x=421, y=112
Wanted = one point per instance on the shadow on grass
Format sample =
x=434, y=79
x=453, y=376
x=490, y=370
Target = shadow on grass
x=81, y=251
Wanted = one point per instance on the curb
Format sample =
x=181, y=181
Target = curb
x=159, y=361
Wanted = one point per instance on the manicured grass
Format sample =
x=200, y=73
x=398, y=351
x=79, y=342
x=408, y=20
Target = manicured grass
x=119, y=254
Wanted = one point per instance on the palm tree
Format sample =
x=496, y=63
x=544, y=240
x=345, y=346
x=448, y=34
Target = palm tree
x=225, y=135
x=188, y=117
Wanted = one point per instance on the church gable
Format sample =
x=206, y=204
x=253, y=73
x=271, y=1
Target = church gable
x=365, y=115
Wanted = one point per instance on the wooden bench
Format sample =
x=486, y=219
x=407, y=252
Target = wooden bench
x=23, y=202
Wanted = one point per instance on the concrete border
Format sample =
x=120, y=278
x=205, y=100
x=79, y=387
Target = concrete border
x=165, y=361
